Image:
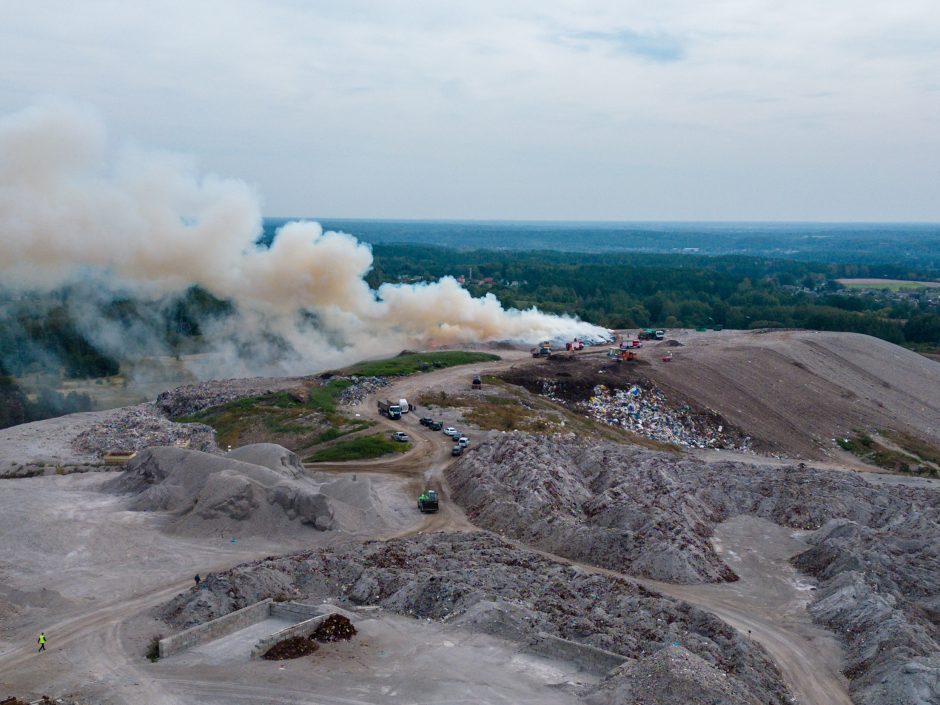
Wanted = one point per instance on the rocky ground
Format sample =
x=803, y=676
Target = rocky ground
x=137, y=427
x=480, y=582
x=652, y=514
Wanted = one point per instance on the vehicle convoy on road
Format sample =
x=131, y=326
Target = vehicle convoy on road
x=390, y=409
x=426, y=421
x=450, y=431
x=436, y=425
x=427, y=502
x=456, y=450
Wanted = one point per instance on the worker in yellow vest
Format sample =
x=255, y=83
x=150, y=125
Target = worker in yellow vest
x=42, y=641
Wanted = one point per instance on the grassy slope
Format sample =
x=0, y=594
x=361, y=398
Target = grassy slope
x=281, y=418
x=417, y=362
x=360, y=448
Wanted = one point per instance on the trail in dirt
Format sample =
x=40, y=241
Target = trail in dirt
x=768, y=604
x=93, y=641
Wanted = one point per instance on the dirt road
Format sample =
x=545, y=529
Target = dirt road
x=90, y=637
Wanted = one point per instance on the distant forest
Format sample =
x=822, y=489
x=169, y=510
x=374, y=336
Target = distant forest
x=614, y=289
x=629, y=290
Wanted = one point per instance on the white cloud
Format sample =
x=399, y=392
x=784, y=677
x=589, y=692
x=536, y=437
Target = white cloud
x=676, y=109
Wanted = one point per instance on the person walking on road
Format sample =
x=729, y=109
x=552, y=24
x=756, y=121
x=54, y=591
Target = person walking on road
x=42, y=641
x=197, y=579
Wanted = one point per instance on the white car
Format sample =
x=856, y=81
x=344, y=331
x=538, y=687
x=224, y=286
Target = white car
x=400, y=436
x=450, y=431
x=463, y=441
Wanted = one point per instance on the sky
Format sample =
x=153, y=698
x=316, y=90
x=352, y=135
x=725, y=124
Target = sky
x=621, y=110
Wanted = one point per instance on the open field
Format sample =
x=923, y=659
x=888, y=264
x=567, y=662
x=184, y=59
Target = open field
x=361, y=448
x=892, y=284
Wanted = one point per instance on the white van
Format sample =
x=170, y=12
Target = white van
x=403, y=403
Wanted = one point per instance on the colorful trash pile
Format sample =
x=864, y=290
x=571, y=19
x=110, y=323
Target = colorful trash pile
x=646, y=411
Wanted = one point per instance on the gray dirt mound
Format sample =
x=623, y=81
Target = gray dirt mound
x=482, y=582
x=639, y=511
x=671, y=676
x=209, y=493
x=271, y=456
x=876, y=548
x=881, y=593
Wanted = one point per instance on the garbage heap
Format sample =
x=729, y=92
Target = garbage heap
x=646, y=411
x=361, y=387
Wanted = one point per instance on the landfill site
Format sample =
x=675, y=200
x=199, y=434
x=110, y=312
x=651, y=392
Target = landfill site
x=672, y=518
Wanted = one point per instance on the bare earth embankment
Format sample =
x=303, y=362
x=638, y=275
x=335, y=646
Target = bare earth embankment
x=793, y=393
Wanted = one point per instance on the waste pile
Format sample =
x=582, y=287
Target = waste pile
x=191, y=398
x=336, y=627
x=292, y=647
x=137, y=427
x=646, y=411
x=361, y=387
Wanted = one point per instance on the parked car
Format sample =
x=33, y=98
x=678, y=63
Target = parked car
x=456, y=450
x=426, y=421
x=450, y=431
x=400, y=436
x=436, y=425
x=463, y=441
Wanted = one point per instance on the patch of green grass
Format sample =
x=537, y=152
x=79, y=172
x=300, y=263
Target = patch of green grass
x=283, y=417
x=915, y=446
x=869, y=450
x=360, y=448
x=334, y=433
x=411, y=363
x=324, y=398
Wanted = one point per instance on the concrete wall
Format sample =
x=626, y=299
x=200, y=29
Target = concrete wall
x=589, y=658
x=215, y=629
x=305, y=628
x=294, y=610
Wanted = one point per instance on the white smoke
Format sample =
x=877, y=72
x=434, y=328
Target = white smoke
x=147, y=222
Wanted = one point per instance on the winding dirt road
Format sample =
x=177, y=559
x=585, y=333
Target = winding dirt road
x=96, y=638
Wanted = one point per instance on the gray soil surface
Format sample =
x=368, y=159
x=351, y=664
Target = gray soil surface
x=823, y=559
x=486, y=584
x=875, y=552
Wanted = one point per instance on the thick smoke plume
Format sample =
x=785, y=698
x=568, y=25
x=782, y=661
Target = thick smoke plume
x=147, y=224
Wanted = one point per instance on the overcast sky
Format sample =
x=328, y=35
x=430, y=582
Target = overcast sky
x=621, y=110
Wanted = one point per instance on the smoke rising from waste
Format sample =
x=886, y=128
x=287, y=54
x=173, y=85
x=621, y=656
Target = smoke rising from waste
x=146, y=222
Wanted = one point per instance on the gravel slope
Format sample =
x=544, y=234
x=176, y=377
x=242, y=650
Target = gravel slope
x=876, y=552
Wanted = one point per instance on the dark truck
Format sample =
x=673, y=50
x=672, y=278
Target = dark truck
x=390, y=409
x=427, y=502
